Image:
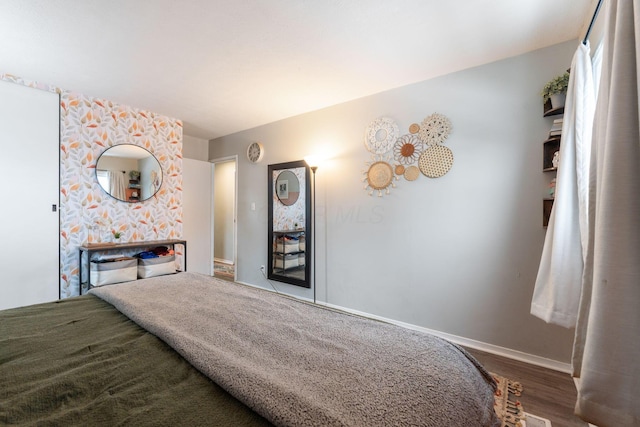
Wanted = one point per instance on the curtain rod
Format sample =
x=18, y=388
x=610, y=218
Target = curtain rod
x=593, y=19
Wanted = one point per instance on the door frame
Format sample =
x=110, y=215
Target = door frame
x=234, y=159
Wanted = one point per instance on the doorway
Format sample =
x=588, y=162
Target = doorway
x=224, y=218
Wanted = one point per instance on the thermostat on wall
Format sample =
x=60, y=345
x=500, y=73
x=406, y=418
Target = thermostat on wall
x=255, y=152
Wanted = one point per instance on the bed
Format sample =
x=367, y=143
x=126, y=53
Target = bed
x=188, y=349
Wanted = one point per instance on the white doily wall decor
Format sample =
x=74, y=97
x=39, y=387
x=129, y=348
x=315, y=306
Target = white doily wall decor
x=379, y=176
x=381, y=135
x=435, y=129
x=407, y=149
x=436, y=161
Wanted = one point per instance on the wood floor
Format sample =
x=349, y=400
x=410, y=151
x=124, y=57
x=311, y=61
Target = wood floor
x=547, y=393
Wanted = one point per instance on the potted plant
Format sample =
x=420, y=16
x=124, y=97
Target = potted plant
x=556, y=90
x=134, y=175
x=117, y=235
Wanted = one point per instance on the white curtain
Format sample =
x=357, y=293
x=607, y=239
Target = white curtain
x=117, y=185
x=559, y=281
x=607, y=346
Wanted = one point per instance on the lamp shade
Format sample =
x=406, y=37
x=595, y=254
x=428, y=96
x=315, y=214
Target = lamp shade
x=312, y=161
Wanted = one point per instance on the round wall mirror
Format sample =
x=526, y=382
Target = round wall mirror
x=129, y=173
x=287, y=188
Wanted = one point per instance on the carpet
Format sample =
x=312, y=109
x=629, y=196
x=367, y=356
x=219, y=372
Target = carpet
x=507, y=407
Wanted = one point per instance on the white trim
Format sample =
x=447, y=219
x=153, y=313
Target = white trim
x=233, y=158
x=224, y=159
x=212, y=168
x=223, y=261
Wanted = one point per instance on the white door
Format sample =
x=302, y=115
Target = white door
x=196, y=215
x=29, y=187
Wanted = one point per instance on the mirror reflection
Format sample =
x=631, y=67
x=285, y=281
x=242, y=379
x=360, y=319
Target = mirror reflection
x=129, y=173
x=287, y=188
x=289, y=223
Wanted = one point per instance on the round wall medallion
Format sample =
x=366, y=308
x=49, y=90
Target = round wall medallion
x=414, y=128
x=435, y=161
x=380, y=175
x=380, y=135
x=411, y=173
x=399, y=170
x=407, y=149
x=435, y=129
x=255, y=152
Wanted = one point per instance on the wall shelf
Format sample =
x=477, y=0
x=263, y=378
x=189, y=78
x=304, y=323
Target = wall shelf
x=548, y=111
x=110, y=247
x=549, y=148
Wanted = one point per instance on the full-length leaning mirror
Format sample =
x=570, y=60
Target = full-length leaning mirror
x=289, y=223
x=129, y=173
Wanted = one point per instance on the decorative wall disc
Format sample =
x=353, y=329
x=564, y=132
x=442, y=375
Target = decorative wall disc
x=411, y=173
x=380, y=175
x=414, y=128
x=435, y=129
x=380, y=135
x=407, y=149
x=399, y=170
x=436, y=161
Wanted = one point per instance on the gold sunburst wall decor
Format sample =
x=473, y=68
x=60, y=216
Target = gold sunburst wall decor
x=379, y=176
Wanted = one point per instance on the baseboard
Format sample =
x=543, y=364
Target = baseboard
x=223, y=261
x=465, y=342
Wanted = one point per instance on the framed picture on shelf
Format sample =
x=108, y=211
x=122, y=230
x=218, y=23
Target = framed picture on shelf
x=282, y=190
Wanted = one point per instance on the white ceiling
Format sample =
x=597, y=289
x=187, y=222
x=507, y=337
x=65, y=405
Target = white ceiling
x=227, y=65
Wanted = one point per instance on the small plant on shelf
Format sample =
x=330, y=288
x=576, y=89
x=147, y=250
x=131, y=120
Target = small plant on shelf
x=134, y=175
x=556, y=86
x=117, y=235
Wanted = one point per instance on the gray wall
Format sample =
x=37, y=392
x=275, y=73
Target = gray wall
x=195, y=148
x=458, y=254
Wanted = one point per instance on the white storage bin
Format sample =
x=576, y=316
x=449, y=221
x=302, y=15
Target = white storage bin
x=151, y=267
x=286, y=246
x=285, y=261
x=106, y=273
x=301, y=260
x=302, y=243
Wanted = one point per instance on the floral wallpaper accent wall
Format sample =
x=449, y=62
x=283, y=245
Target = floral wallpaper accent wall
x=88, y=126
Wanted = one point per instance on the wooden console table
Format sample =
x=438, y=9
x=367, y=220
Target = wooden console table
x=111, y=247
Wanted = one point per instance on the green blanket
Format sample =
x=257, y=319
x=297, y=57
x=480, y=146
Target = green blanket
x=81, y=362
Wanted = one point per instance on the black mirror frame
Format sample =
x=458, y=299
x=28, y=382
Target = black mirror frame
x=130, y=201
x=271, y=274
